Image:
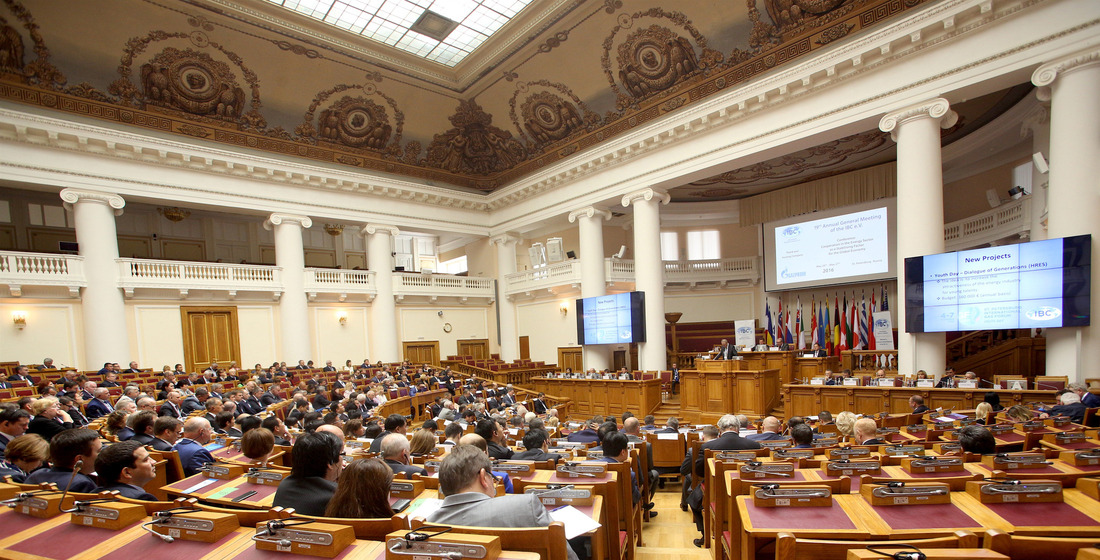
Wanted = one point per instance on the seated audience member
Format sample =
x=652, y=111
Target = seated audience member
x=363, y=491
x=70, y=450
x=866, y=432
x=586, y=435
x=141, y=424
x=166, y=432
x=672, y=426
x=465, y=478
x=845, y=424
x=977, y=439
x=1071, y=406
x=494, y=437
x=994, y=400
x=71, y=406
x=193, y=456
x=802, y=435
x=916, y=402
x=223, y=424
x=13, y=423
x=23, y=455
x=423, y=442
x=452, y=432
x=353, y=429
x=248, y=423
x=395, y=451
x=982, y=413
x=1019, y=413
x=616, y=449
x=99, y=405
x=312, y=481
x=49, y=420
x=277, y=427
x=126, y=467
x=257, y=445
x=769, y=432
x=395, y=424
x=536, y=443
x=1088, y=399
x=116, y=426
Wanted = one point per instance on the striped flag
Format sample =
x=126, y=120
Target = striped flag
x=863, y=342
x=845, y=332
x=780, y=327
x=871, y=322
x=814, y=338
x=768, y=313
x=853, y=325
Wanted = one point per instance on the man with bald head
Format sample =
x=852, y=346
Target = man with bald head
x=196, y=434
x=770, y=430
x=395, y=451
x=866, y=432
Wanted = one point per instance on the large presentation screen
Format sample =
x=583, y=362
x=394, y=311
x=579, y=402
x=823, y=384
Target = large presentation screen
x=851, y=244
x=1040, y=284
x=611, y=319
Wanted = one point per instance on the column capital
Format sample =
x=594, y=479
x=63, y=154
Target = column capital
x=72, y=196
x=505, y=239
x=647, y=194
x=1037, y=119
x=277, y=219
x=589, y=212
x=1046, y=73
x=938, y=108
x=371, y=229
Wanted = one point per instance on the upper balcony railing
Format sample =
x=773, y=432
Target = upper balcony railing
x=40, y=269
x=436, y=285
x=185, y=276
x=1006, y=220
x=744, y=270
x=340, y=281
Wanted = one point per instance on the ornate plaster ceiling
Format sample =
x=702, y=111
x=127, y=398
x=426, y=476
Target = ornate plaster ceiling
x=563, y=76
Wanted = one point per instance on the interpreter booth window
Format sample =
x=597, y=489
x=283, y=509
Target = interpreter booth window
x=670, y=246
x=703, y=245
x=454, y=266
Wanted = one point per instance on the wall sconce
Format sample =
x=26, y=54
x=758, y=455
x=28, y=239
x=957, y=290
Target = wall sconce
x=564, y=308
x=19, y=318
x=342, y=316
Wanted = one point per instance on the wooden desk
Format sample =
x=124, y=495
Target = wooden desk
x=808, y=400
x=707, y=395
x=222, y=492
x=604, y=396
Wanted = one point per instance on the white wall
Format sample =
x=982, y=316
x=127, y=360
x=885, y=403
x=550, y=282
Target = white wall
x=336, y=342
x=157, y=334
x=718, y=306
x=424, y=323
x=546, y=327
x=53, y=330
x=256, y=327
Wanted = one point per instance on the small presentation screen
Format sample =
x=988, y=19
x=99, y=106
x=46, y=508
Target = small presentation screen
x=611, y=319
x=852, y=244
x=1040, y=284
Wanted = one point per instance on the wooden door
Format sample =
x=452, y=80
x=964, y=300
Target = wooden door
x=477, y=347
x=210, y=334
x=618, y=360
x=571, y=357
x=524, y=348
x=421, y=351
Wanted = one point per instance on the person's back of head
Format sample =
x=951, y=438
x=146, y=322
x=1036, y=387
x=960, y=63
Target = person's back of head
x=865, y=428
x=794, y=421
x=709, y=432
x=395, y=422
x=614, y=444
x=249, y=423
x=846, y=422
x=453, y=431
x=372, y=430
x=362, y=491
x=535, y=438
x=977, y=439
x=801, y=434
x=314, y=454
x=460, y=468
x=257, y=443
x=604, y=429
x=673, y=423
x=474, y=440
x=487, y=429
x=1070, y=397
x=394, y=446
x=729, y=422
x=993, y=399
x=69, y=446
x=771, y=424
x=649, y=420
x=631, y=426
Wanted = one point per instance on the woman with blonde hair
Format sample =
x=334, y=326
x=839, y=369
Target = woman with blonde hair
x=363, y=490
x=983, y=412
x=846, y=423
x=24, y=454
x=1019, y=413
x=423, y=442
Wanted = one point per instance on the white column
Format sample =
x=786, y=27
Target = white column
x=1037, y=126
x=649, y=274
x=506, y=308
x=1073, y=202
x=916, y=129
x=103, y=306
x=383, y=312
x=290, y=257
x=593, y=276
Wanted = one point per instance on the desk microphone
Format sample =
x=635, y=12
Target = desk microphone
x=161, y=517
x=751, y=467
x=76, y=506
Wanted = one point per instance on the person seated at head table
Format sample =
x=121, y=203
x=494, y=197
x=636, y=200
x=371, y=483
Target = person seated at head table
x=73, y=450
x=760, y=345
x=802, y=436
x=948, y=379
x=362, y=491
x=866, y=432
x=23, y=455
x=258, y=444
x=466, y=479
x=126, y=467
x=316, y=467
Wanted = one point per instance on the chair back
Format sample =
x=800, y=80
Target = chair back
x=788, y=547
x=548, y=542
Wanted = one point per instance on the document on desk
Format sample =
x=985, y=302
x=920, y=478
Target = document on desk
x=199, y=486
x=576, y=522
x=424, y=507
x=668, y=436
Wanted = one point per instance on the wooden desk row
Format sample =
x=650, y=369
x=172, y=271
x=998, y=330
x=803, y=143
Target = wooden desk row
x=809, y=400
x=604, y=397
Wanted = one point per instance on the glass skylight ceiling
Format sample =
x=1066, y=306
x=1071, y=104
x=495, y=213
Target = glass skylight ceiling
x=389, y=22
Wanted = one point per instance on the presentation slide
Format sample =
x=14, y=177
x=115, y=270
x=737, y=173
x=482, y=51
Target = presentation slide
x=611, y=319
x=852, y=244
x=1028, y=285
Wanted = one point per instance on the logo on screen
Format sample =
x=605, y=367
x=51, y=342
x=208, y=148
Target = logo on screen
x=744, y=330
x=625, y=335
x=788, y=274
x=792, y=231
x=1044, y=313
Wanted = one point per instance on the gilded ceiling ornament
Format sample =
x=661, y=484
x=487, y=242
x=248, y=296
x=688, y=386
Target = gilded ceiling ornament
x=545, y=116
x=474, y=145
x=192, y=82
x=39, y=71
x=355, y=122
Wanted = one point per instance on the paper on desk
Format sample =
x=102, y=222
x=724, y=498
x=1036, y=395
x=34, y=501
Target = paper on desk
x=200, y=485
x=668, y=436
x=424, y=507
x=576, y=522
x=944, y=419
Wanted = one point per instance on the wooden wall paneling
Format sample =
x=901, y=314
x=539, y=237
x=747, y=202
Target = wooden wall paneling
x=571, y=357
x=834, y=401
x=45, y=240
x=135, y=247
x=800, y=400
x=183, y=249
x=7, y=238
x=525, y=348
x=209, y=334
x=477, y=347
x=421, y=351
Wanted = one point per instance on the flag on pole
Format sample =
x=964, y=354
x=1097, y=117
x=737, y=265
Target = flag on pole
x=823, y=323
x=768, y=314
x=834, y=325
x=863, y=341
x=845, y=333
x=789, y=338
x=780, y=328
x=814, y=335
x=871, y=323
x=885, y=302
x=853, y=325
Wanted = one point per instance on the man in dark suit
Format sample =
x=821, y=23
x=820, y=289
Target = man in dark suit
x=948, y=379
x=126, y=467
x=396, y=454
x=538, y=406
x=916, y=402
x=726, y=351
x=493, y=435
x=72, y=407
x=166, y=431
x=817, y=351
x=1071, y=406
x=866, y=432
x=13, y=423
x=729, y=439
x=588, y=434
x=672, y=426
x=21, y=375
x=196, y=401
x=536, y=443
x=328, y=366
x=72, y=450
x=4, y=383
x=770, y=430
x=141, y=424
x=394, y=424
x=268, y=398
x=193, y=456
x=465, y=479
x=312, y=480
x=171, y=406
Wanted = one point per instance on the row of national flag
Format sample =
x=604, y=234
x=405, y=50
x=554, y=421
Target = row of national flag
x=843, y=326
